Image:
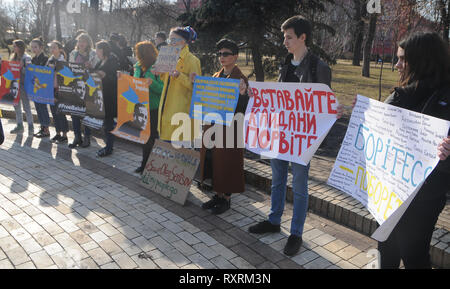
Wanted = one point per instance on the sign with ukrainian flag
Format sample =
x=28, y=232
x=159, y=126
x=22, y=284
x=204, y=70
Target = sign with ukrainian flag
x=95, y=108
x=133, y=113
x=10, y=82
x=72, y=88
x=214, y=100
x=39, y=84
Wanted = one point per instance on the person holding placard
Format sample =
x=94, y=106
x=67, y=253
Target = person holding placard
x=226, y=165
x=24, y=59
x=177, y=92
x=106, y=69
x=146, y=54
x=37, y=47
x=59, y=119
x=301, y=65
x=83, y=54
x=424, y=68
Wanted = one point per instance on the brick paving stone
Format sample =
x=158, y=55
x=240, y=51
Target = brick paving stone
x=165, y=263
x=305, y=257
x=53, y=248
x=98, y=236
x=144, y=263
x=348, y=252
x=111, y=265
x=161, y=244
x=27, y=265
x=319, y=263
x=44, y=238
x=20, y=234
x=110, y=247
x=201, y=261
x=360, y=260
x=31, y=246
x=324, y=239
x=346, y=265
x=88, y=263
x=223, y=238
x=89, y=246
x=188, y=238
x=172, y=226
x=80, y=237
x=99, y=256
x=205, y=238
x=335, y=245
x=41, y=259
x=203, y=249
x=184, y=248
x=327, y=255
x=124, y=261
x=248, y=254
x=177, y=258
x=6, y=264
x=144, y=244
x=8, y=243
x=64, y=261
x=223, y=251
x=222, y=263
x=241, y=263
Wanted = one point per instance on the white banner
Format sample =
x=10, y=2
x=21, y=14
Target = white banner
x=288, y=121
x=385, y=156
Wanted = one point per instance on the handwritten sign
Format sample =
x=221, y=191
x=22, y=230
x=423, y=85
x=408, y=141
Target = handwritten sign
x=386, y=155
x=170, y=171
x=39, y=84
x=288, y=121
x=167, y=59
x=10, y=82
x=213, y=99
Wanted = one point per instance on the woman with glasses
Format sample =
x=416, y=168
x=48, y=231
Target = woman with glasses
x=177, y=91
x=225, y=166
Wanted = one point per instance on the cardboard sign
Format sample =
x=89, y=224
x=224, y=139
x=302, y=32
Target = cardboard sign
x=169, y=171
x=95, y=108
x=214, y=100
x=72, y=88
x=288, y=121
x=10, y=82
x=133, y=114
x=39, y=84
x=385, y=157
x=167, y=59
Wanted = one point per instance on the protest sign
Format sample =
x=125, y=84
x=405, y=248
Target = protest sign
x=39, y=84
x=386, y=155
x=10, y=82
x=288, y=121
x=72, y=90
x=133, y=114
x=167, y=59
x=95, y=108
x=169, y=171
x=214, y=98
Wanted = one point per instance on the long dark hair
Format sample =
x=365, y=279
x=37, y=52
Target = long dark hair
x=427, y=58
x=21, y=44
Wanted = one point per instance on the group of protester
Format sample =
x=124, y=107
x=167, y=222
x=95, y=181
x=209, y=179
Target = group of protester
x=424, y=67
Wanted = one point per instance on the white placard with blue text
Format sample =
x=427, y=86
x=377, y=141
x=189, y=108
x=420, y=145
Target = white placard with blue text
x=386, y=155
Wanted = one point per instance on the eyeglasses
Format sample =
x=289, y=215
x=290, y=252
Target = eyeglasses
x=224, y=54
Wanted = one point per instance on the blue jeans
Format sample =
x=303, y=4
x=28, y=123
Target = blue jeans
x=76, y=123
x=59, y=119
x=42, y=112
x=300, y=190
x=109, y=125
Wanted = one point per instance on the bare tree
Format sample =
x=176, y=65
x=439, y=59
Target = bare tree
x=368, y=45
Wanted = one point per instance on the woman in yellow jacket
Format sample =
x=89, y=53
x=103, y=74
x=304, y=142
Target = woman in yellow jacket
x=177, y=92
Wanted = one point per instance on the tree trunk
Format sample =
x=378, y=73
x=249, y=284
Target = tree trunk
x=368, y=45
x=257, y=60
x=93, y=20
x=57, y=21
x=445, y=19
x=360, y=34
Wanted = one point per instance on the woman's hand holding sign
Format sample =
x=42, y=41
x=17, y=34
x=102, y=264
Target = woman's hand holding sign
x=444, y=149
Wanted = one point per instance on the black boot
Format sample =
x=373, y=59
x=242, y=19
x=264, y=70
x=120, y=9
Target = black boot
x=211, y=203
x=76, y=142
x=86, y=141
x=221, y=206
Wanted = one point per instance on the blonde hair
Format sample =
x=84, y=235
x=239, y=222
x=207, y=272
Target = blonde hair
x=88, y=39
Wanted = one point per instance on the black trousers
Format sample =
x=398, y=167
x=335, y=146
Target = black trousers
x=147, y=148
x=2, y=135
x=410, y=239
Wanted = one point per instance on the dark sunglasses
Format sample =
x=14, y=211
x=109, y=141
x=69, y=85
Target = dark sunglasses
x=224, y=54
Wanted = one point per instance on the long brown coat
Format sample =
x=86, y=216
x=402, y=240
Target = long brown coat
x=227, y=163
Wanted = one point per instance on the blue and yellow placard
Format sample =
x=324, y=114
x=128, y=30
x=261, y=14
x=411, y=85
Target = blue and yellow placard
x=39, y=83
x=214, y=98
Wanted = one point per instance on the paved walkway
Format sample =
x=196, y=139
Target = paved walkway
x=62, y=208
